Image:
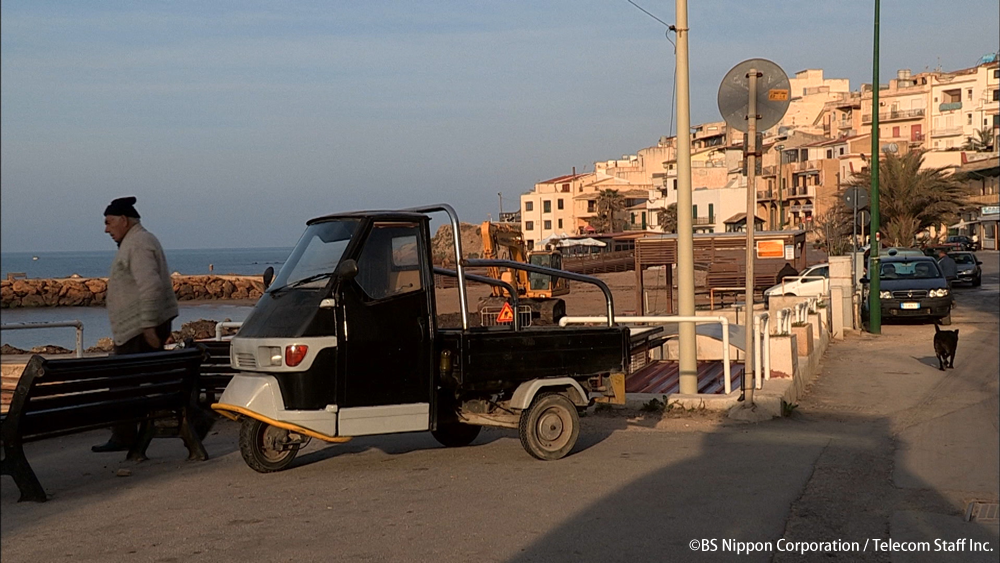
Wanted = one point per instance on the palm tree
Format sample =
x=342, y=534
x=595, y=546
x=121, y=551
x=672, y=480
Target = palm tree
x=982, y=142
x=667, y=218
x=610, y=203
x=911, y=199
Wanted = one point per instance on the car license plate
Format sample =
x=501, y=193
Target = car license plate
x=909, y=305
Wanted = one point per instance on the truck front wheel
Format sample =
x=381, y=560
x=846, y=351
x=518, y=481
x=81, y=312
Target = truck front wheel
x=549, y=427
x=265, y=448
x=456, y=434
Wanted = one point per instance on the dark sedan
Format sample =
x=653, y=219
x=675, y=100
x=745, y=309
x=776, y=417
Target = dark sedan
x=968, y=267
x=912, y=287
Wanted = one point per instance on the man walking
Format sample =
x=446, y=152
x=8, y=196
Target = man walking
x=140, y=300
x=948, y=267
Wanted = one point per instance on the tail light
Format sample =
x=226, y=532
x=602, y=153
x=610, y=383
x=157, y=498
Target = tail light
x=294, y=354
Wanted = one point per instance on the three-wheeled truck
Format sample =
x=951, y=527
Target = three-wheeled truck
x=345, y=342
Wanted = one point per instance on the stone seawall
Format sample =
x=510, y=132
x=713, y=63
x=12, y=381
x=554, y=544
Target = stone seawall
x=83, y=292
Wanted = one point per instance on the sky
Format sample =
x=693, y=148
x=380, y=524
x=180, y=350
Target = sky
x=235, y=122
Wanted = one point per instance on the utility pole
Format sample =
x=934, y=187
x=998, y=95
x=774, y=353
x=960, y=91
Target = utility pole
x=874, y=271
x=781, y=178
x=500, y=195
x=685, y=234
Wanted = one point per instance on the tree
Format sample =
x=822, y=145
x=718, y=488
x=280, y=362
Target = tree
x=610, y=204
x=835, y=230
x=667, y=218
x=982, y=142
x=911, y=198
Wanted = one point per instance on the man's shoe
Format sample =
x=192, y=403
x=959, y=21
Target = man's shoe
x=110, y=446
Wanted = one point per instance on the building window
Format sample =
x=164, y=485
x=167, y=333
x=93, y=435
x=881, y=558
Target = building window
x=560, y=221
x=694, y=210
x=559, y=204
x=895, y=132
x=547, y=225
x=591, y=206
x=968, y=119
x=996, y=95
x=841, y=150
x=996, y=73
x=529, y=206
x=531, y=244
x=968, y=94
x=829, y=152
x=546, y=206
x=711, y=212
x=529, y=225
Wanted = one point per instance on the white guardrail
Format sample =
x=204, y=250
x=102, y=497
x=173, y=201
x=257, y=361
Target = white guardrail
x=727, y=372
x=761, y=348
x=219, y=327
x=52, y=324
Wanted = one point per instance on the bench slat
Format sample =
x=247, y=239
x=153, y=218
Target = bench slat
x=44, y=389
x=102, y=396
x=38, y=425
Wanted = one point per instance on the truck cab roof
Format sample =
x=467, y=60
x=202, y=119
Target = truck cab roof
x=382, y=215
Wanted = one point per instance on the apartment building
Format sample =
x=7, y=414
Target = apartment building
x=810, y=93
x=548, y=209
x=962, y=102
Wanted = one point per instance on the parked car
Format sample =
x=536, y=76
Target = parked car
x=960, y=242
x=969, y=270
x=812, y=281
x=911, y=287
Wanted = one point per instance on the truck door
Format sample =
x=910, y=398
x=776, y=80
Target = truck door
x=385, y=348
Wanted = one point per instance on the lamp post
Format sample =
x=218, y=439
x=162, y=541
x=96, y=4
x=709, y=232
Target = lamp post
x=781, y=205
x=874, y=287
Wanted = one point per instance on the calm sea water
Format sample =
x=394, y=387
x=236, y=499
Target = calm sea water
x=245, y=261
x=97, y=264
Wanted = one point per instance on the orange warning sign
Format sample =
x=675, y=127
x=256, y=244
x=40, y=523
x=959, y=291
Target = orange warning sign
x=506, y=314
x=777, y=95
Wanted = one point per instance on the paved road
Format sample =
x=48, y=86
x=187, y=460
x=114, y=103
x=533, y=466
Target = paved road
x=883, y=446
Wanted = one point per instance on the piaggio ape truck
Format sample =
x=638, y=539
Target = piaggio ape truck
x=345, y=342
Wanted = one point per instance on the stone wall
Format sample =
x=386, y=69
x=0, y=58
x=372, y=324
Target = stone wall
x=83, y=292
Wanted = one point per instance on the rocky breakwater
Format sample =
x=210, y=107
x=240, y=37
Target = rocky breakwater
x=84, y=292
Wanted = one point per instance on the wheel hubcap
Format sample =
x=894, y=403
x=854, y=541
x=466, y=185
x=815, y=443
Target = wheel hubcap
x=550, y=425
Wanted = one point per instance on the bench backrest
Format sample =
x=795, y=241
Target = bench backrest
x=216, y=368
x=55, y=397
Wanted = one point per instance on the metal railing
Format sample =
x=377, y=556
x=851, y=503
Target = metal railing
x=761, y=348
x=219, y=327
x=727, y=370
x=53, y=324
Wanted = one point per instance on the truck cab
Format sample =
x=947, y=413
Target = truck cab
x=344, y=343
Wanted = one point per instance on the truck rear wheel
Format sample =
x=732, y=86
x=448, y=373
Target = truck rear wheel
x=456, y=434
x=264, y=447
x=549, y=427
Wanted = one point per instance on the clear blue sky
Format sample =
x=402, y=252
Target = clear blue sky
x=234, y=122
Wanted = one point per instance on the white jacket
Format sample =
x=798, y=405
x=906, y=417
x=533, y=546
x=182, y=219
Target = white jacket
x=140, y=293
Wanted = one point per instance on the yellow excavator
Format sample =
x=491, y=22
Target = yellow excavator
x=503, y=241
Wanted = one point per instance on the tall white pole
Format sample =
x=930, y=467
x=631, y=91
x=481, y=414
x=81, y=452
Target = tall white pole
x=685, y=233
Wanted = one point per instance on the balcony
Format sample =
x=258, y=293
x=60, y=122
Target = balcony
x=884, y=116
x=917, y=138
x=710, y=220
x=985, y=199
x=802, y=191
x=949, y=132
x=765, y=194
x=950, y=106
x=844, y=124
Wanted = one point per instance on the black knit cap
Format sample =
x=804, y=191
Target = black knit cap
x=122, y=206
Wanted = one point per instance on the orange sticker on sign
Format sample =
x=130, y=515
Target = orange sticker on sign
x=777, y=95
x=506, y=314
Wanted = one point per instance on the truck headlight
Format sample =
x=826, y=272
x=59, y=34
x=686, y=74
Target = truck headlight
x=942, y=292
x=885, y=295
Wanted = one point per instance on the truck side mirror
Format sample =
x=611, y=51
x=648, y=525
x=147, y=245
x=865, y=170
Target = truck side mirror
x=346, y=270
x=268, y=277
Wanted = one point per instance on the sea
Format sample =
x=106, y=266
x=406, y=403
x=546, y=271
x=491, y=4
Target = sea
x=96, y=264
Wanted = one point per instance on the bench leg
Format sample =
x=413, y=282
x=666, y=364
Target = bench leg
x=138, y=450
x=16, y=465
x=196, y=451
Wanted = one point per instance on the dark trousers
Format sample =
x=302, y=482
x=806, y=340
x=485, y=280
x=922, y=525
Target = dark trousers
x=127, y=433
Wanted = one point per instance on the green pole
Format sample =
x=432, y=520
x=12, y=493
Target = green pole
x=874, y=303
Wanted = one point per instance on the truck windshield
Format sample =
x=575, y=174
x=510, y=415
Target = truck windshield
x=316, y=255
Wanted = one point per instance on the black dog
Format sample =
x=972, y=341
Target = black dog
x=945, y=342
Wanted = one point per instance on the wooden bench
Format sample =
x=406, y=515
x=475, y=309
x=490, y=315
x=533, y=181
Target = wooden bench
x=60, y=397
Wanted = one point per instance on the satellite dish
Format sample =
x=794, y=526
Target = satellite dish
x=891, y=148
x=773, y=94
